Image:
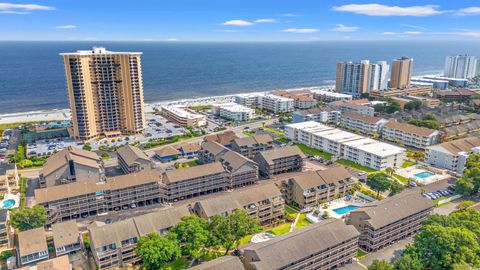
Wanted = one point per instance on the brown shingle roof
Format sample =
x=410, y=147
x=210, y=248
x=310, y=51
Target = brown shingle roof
x=222, y=138
x=65, y=233
x=311, y=179
x=77, y=155
x=133, y=179
x=273, y=154
x=58, y=263
x=192, y=172
x=361, y=117
x=130, y=154
x=222, y=263
x=32, y=241
x=167, y=151
x=160, y=220
x=408, y=128
x=460, y=145
x=113, y=233
x=299, y=244
x=235, y=160
x=190, y=147
x=214, y=148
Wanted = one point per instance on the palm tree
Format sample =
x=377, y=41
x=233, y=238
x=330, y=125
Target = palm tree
x=390, y=171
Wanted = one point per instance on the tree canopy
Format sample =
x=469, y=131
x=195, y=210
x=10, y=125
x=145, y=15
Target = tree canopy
x=26, y=218
x=156, y=250
x=380, y=265
x=380, y=182
x=412, y=105
x=193, y=233
x=469, y=183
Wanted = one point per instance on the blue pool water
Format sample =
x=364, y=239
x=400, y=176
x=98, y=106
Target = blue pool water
x=345, y=209
x=7, y=204
x=424, y=175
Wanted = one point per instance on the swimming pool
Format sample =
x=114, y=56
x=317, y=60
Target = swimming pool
x=424, y=175
x=7, y=204
x=345, y=209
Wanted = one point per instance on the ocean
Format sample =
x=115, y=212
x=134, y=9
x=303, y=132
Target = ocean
x=32, y=75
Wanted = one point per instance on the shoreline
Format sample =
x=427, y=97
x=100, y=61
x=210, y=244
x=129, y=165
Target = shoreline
x=65, y=114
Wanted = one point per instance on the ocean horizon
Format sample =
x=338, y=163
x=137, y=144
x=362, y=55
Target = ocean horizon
x=32, y=75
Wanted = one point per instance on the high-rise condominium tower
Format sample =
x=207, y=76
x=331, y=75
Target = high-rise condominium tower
x=401, y=72
x=358, y=78
x=105, y=91
x=460, y=66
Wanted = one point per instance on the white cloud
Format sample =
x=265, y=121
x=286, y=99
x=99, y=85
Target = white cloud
x=300, y=30
x=228, y=31
x=172, y=39
x=237, y=23
x=67, y=26
x=383, y=10
x=343, y=28
x=412, y=33
x=413, y=26
x=10, y=8
x=389, y=33
x=468, y=11
x=265, y=21
x=290, y=15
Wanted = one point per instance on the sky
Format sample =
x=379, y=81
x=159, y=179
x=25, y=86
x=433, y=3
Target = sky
x=239, y=20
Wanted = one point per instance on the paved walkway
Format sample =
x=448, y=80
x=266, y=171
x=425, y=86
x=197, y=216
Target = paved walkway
x=292, y=226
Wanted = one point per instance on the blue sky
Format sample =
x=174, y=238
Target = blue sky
x=239, y=20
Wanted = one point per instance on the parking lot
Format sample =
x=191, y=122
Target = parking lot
x=440, y=193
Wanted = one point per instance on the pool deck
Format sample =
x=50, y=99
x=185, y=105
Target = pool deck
x=411, y=172
x=335, y=204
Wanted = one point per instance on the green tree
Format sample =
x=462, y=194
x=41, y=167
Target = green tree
x=413, y=105
x=464, y=186
x=193, y=233
x=26, y=218
x=395, y=188
x=378, y=182
x=393, y=107
x=156, y=250
x=464, y=205
x=429, y=116
x=242, y=224
x=380, y=265
x=390, y=171
x=87, y=146
x=221, y=231
x=408, y=262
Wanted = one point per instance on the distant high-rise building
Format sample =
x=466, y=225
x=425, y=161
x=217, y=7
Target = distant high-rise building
x=460, y=66
x=358, y=78
x=401, y=72
x=106, y=92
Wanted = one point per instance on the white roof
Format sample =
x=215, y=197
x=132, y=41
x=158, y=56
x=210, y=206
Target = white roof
x=338, y=135
x=182, y=112
x=278, y=98
x=374, y=147
x=97, y=51
x=331, y=94
x=234, y=107
x=309, y=126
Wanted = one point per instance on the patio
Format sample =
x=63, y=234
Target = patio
x=423, y=175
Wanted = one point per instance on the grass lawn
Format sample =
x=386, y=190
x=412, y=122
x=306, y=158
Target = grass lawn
x=201, y=108
x=248, y=133
x=401, y=178
x=180, y=263
x=279, y=230
x=361, y=254
x=356, y=166
x=283, y=140
x=291, y=211
x=407, y=163
x=302, y=222
x=314, y=152
x=191, y=163
x=274, y=131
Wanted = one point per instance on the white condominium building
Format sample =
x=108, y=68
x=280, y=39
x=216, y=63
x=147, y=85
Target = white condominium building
x=452, y=155
x=363, y=123
x=233, y=111
x=410, y=135
x=250, y=100
x=324, y=115
x=329, y=96
x=345, y=145
x=276, y=104
x=184, y=117
x=460, y=66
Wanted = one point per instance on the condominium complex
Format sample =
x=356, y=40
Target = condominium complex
x=264, y=202
x=410, y=135
x=323, y=115
x=66, y=237
x=252, y=145
x=401, y=73
x=56, y=263
x=301, y=99
x=308, y=189
x=105, y=92
x=276, y=104
x=114, y=245
x=221, y=263
x=361, y=106
x=358, y=78
x=71, y=165
x=363, y=123
x=459, y=94
x=328, y=244
x=346, y=145
x=393, y=92
x=452, y=155
x=384, y=222
x=329, y=96
x=32, y=246
x=233, y=111
x=249, y=100
x=280, y=160
x=460, y=66
x=184, y=117
x=5, y=233
x=131, y=159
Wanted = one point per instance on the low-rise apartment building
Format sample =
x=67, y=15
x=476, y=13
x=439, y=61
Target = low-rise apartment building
x=5, y=234
x=66, y=237
x=131, y=159
x=323, y=115
x=58, y=263
x=211, y=152
x=409, y=91
x=280, y=160
x=308, y=189
x=346, y=145
x=32, y=246
x=276, y=104
x=364, y=124
x=184, y=117
x=384, y=222
x=225, y=138
x=233, y=111
x=264, y=202
x=250, y=99
x=83, y=199
x=195, y=181
x=114, y=245
x=329, y=96
x=452, y=155
x=221, y=263
x=459, y=94
x=361, y=106
x=410, y=135
x=252, y=145
x=329, y=244
x=71, y=165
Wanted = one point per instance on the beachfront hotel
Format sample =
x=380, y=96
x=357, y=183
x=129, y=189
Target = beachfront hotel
x=345, y=145
x=233, y=111
x=384, y=222
x=328, y=244
x=105, y=92
x=184, y=117
x=358, y=78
